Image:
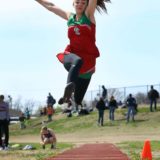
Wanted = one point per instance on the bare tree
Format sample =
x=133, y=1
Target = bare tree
x=30, y=104
x=18, y=104
x=116, y=93
x=141, y=98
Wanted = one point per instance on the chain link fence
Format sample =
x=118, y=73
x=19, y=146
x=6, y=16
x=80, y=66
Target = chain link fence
x=91, y=97
x=121, y=93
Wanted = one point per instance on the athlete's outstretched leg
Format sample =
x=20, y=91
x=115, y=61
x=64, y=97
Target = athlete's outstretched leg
x=80, y=90
x=72, y=63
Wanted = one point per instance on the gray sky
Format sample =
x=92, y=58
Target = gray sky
x=128, y=38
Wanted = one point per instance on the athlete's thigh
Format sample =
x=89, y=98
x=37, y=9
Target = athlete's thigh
x=69, y=60
x=80, y=89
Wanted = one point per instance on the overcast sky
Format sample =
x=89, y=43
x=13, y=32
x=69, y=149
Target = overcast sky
x=128, y=38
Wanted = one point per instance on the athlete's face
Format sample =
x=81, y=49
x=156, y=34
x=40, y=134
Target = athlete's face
x=45, y=131
x=80, y=5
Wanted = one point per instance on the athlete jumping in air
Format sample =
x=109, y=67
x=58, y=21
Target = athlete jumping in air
x=79, y=57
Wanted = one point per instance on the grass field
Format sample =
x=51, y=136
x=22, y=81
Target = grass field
x=36, y=154
x=84, y=129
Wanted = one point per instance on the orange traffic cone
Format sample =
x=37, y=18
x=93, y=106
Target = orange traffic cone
x=146, y=152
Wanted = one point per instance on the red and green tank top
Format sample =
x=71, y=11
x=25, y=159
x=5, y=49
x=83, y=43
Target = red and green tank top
x=81, y=34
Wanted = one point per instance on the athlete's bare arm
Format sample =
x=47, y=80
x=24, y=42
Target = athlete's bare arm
x=90, y=10
x=55, y=9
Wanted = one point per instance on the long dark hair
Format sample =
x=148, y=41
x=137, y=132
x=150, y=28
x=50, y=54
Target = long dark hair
x=101, y=5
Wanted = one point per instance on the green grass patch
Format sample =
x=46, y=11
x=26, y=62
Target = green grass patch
x=134, y=149
x=36, y=154
x=146, y=123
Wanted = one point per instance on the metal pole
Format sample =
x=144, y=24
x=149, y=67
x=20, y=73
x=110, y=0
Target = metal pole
x=124, y=93
x=99, y=91
x=147, y=89
x=91, y=99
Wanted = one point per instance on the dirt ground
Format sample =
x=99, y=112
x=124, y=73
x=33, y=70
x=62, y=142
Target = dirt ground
x=81, y=139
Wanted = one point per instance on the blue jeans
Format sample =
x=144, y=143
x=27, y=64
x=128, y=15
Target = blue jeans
x=111, y=113
x=153, y=101
x=100, y=118
x=131, y=112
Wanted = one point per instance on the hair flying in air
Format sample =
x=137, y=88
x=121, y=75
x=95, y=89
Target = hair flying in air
x=101, y=5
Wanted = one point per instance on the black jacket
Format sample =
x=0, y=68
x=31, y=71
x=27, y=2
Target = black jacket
x=113, y=103
x=100, y=105
x=153, y=94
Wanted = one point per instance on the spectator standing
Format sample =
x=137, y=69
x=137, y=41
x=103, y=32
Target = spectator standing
x=4, y=123
x=50, y=100
x=10, y=101
x=44, y=111
x=131, y=103
x=153, y=95
x=48, y=137
x=104, y=92
x=101, y=107
x=112, y=107
x=50, y=112
x=41, y=112
x=22, y=119
x=68, y=110
x=27, y=113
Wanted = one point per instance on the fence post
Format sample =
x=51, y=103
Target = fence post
x=99, y=91
x=124, y=93
x=147, y=90
x=91, y=99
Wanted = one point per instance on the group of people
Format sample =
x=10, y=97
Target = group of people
x=48, y=110
x=101, y=106
x=47, y=134
x=112, y=106
x=131, y=104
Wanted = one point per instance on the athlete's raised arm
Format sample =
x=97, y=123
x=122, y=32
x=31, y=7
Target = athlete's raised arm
x=53, y=8
x=92, y=4
x=91, y=9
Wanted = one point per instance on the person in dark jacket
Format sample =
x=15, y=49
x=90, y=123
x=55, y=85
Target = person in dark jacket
x=153, y=95
x=131, y=103
x=112, y=107
x=22, y=119
x=104, y=92
x=50, y=100
x=4, y=123
x=101, y=107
